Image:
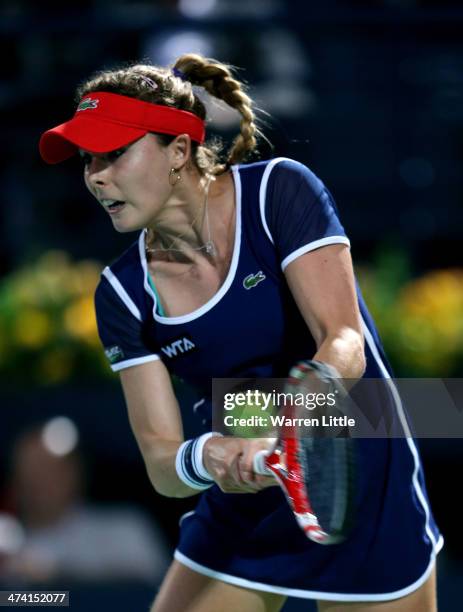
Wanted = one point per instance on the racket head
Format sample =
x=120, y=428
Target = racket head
x=316, y=472
x=327, y=485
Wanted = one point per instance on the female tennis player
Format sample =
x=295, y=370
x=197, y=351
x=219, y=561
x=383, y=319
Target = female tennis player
x=240, y=270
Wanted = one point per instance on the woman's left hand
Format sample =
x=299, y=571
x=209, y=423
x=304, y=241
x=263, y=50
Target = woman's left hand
x=229, y=461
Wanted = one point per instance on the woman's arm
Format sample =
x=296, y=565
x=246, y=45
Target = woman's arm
x=323, y=285
x=154, y=416
x=155, y=419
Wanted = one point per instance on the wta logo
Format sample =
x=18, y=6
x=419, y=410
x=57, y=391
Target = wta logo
x=178, y=347
x=86, y=104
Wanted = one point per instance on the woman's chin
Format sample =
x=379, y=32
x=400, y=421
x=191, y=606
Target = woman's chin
x=124, y=227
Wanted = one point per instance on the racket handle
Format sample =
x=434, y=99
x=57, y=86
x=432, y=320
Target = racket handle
x=259, y=465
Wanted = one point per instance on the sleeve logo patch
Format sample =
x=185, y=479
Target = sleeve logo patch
x=253, y=279
x=86, y=104
x=114, y=354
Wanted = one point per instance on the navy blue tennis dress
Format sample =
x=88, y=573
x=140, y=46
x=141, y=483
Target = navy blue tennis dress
x=255, y=330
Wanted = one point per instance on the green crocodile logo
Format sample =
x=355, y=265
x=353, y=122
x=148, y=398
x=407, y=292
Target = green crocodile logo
x=87, y=103
x=253, y=279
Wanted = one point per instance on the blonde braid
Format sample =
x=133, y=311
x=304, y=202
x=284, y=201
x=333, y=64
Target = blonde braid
x=217, y=79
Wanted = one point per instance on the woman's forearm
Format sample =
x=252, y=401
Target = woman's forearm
x=159, y=456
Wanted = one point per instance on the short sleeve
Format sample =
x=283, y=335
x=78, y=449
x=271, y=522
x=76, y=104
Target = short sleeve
x=120, y=328
x=300, y=213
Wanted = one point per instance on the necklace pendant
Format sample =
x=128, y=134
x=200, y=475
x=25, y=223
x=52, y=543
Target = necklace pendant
x=210, y=248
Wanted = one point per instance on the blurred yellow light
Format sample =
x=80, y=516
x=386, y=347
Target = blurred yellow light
x=79, y=320
x=32, y=328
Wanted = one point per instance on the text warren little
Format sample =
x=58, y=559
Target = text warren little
x=283, y=421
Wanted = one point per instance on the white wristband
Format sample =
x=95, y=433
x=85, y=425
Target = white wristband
x=189, y=463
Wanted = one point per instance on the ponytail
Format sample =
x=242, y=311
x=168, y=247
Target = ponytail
x=218, y=80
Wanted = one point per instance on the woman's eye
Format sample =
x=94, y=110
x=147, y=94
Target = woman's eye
x=113, y=155
x=86, y=158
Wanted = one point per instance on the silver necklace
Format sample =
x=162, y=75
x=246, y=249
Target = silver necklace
x=208, y=246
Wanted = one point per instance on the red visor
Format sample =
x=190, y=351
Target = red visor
x=105, y=122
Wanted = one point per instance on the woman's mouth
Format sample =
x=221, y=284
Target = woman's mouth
x=113, y=206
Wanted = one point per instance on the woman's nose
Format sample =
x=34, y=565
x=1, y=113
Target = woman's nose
x=96, y=171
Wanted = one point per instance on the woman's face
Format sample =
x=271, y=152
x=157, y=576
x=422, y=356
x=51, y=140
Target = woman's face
x=131, y=183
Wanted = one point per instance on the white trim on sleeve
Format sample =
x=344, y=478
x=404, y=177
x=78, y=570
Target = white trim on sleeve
x=128, y=363
x=263, y=193
x=316, y=244
x=121, y=292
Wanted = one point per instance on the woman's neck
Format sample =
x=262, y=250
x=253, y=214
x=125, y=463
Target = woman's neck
x=192, y=223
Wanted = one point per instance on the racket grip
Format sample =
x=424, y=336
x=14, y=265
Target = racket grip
x=258, y=464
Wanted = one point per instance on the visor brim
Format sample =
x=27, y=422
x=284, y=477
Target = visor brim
x=91, y=134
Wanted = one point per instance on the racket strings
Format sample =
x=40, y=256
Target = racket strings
x=326, y=464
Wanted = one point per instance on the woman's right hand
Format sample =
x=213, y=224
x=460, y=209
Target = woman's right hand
x=229, y=461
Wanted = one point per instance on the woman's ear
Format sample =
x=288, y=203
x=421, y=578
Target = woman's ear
x=180, y=151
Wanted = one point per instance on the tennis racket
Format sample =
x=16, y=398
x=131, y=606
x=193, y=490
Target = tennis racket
x=316, y=472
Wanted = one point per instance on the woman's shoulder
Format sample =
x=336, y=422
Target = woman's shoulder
x=125, y=277
x=281, y=169
x=269, y=163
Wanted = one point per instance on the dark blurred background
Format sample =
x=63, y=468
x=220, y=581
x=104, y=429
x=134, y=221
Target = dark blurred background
x=369, y=94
